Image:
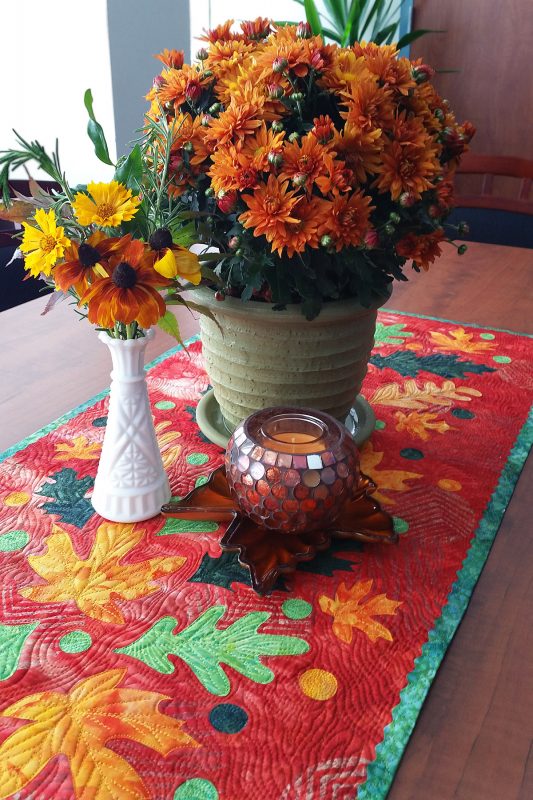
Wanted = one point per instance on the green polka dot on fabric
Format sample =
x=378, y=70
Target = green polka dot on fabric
x=400, y=525
x=502, y=359
x=200, y=481
x=100, y=422
x=487, y=336
x=380, y=425
x=412, y=453
x=75, y=642
x=296, y=608
x=165, y=404
x=13, y=540
x=197, y=459
x=196, y=789
x=463, y=413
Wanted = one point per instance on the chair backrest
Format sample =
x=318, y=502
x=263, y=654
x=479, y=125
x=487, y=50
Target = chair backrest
x=489, y=167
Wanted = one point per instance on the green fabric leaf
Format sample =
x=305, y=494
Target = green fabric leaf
x=390, y=334
x=129, y=170
x=409, y=364
x=68, y=495
x=95, y=131
x=222, y=571
x=204, y=647
x=12, y=639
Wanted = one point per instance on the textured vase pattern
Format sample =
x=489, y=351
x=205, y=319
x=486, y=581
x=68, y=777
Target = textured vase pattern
x=131, y=483
x=256, y=357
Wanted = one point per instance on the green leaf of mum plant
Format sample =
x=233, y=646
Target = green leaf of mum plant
x=95, y=131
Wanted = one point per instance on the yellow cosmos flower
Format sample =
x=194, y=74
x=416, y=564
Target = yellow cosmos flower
x=109, y=205
x=43, y=245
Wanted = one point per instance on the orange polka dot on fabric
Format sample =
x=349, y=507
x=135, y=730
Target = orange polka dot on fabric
x=318, y=684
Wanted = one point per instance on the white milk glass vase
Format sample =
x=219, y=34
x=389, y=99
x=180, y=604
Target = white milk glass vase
x=131, y=484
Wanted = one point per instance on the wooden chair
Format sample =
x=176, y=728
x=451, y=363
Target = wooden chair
x=489, y=167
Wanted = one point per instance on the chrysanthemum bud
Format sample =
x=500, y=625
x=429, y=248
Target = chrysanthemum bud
x=389, y=229
x=439, y=114
x=209, y=221
x=215, y=108
x=294, y=136
x=434, y=211
x=407, y=200
x=239, y=252
x=193, y=90
x=296, y=97
x=234, y=242
x=276, y=159
x=463, y=229
x=158, y=82
x=202, y=54
x=207, y=73
x=209, y=192
x=371, y=239
x=277, y=126
x=220, y=296
x=160, y=239
x=303, y=30
x=326, y=241
x=275, y=91
x=206, y=119
x=462, y=249
x=422, y=73
x=227, y=202
x=188, y=147
x=279, y=64
x=299, y=180
x=394, y=218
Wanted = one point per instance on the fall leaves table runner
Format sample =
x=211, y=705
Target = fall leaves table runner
x=136, y=661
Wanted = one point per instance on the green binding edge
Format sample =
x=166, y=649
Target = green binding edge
x=381, y=771
x=34, y=437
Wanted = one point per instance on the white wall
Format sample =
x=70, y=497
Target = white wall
x=51, y=52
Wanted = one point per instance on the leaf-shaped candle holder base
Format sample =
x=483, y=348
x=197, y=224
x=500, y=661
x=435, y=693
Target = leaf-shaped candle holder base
x=269, y=554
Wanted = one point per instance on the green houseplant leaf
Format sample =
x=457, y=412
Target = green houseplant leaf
x=95, y=131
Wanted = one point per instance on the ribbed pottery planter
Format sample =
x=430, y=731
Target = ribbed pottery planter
x=260, y=357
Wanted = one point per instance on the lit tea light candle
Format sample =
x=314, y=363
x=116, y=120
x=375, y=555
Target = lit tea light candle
x=291, y=469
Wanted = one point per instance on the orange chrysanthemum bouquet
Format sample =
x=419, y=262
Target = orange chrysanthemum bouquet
x=112, y=247
x=317, y=171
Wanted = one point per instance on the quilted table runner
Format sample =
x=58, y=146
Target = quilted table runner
x=137, y=662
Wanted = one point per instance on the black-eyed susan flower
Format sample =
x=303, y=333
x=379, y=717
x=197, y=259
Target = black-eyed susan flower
x=129, y=292
x=44, y=245
x=84, y=262
x=108, y=206
x=171, y=260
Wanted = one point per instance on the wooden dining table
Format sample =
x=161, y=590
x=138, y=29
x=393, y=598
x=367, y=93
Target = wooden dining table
x=473, y=739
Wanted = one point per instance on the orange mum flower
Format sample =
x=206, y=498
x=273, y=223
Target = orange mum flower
x=270, y=208
x=347, y=219
x=323, y=128
x=336, y=178
x=232, y=170
x=171, y=58
x=303, y=161
x=296, y=236
x=345, y=70
x=84, y=261
x=186, y=131
x=280, y=56
x=369, y=105
x=129, y=292
x=225, y=54
x=260, y=145
x=181, y=85
x=238, y=121
x=220, y=33
x=383, y=61
x=361, y=150
x=423, y=249
x=407, y=168
x=257, y=29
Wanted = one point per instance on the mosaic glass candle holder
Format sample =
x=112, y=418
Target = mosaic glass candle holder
x=291, y=470
x=291, y=482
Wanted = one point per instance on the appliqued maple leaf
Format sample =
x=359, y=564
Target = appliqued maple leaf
x=78, y=725
x=420, y=424
x=385, y=479
x=97, y=582
x=80, y=447
x=170, y=451
x=460, y=341
x=411, y=395
x=349, y=611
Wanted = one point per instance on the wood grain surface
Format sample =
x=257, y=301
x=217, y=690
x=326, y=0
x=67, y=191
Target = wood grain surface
x=473, y=738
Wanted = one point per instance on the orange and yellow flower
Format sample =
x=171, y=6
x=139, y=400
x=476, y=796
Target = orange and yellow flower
x=232, y=169
x=423, y=249
x=361, y=151
x=107, y=205
x=171, y=58
x=304, y=161
x=407, y=168
x=43, y=246
x=129, y=292
x=270, y=208
x=296, y=236
x=259, y=146
x=84, y=262
x=239, y=120
x=348, y=219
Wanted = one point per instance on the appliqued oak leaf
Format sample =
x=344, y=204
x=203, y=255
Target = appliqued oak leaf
x=421, y=424
x=96, y=583
x=461, y=341
x=408, y=364
x=349, y=611
x=80, y=448
x=429, y=394
x=386, y=479
x=68, y=496
x=77, y=725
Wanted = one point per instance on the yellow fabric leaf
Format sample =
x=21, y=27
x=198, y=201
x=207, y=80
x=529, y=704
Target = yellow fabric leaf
x=411, y=395
x=349, y=611
x=385, y=479
x=460, y=341
x=420, y=424
x=78, y=725
x=97, y=582
x=80, y=447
